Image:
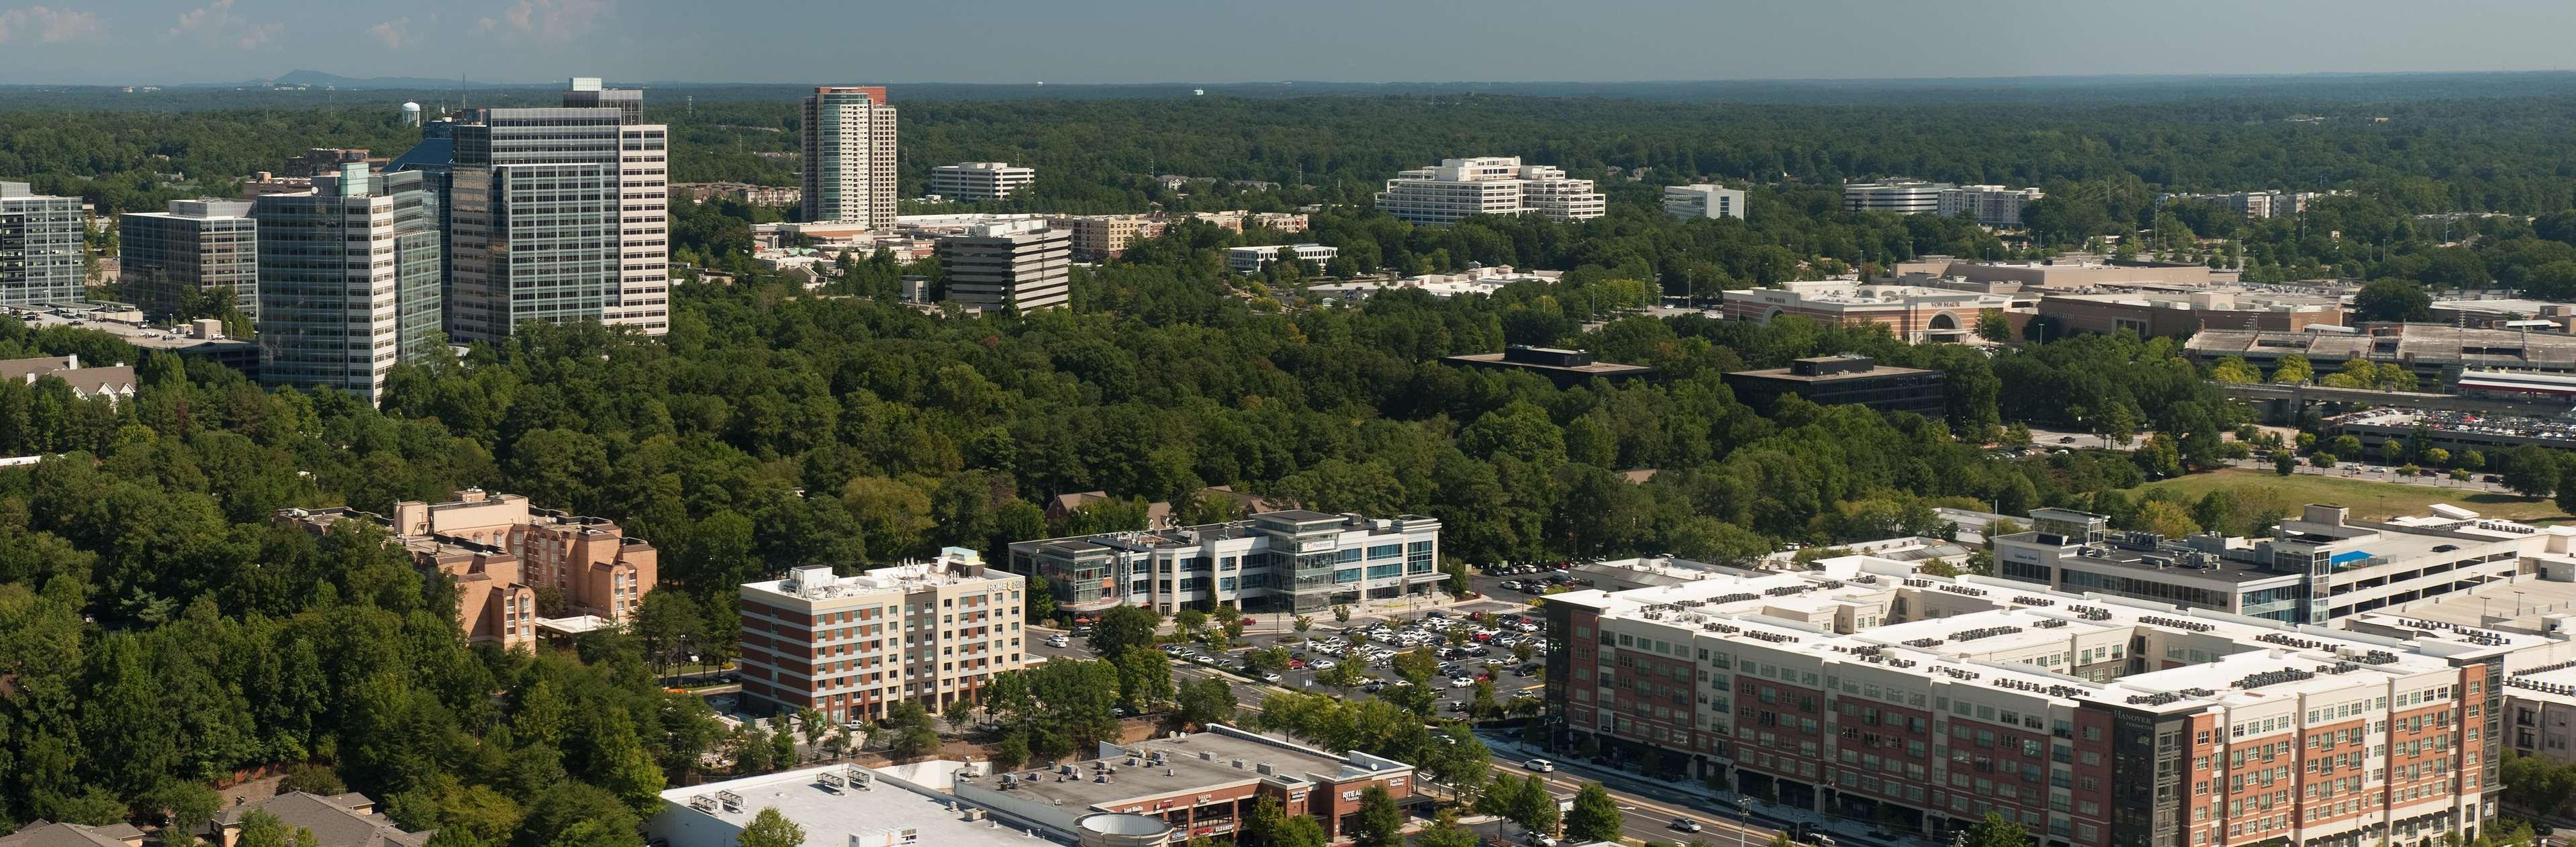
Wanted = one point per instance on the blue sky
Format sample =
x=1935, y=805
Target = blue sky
x=152, y=41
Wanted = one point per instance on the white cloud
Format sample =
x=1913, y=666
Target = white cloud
x=546, y=20
x=50, y=25
x=390, y=32
x=215, y=23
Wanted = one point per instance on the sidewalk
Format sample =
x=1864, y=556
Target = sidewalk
x=1717, y=805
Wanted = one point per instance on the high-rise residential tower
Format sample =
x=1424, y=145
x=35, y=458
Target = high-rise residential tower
x=197, y=246
x=849, y=156
x=558, y=215
x=348, y=280
x=40, y=246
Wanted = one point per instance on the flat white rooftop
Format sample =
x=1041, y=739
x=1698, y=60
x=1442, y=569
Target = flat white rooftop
x=835, y=808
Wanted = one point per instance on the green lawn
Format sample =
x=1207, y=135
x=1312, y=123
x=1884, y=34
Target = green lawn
x=2369, y=500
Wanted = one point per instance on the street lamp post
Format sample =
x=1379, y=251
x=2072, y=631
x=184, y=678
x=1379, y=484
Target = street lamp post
x=1743, y=819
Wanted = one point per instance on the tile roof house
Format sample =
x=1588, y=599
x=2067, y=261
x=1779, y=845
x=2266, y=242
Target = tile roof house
x=341, y=820
x=42, y=834
x=115, y=382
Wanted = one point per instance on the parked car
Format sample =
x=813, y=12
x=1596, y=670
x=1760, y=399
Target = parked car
x=1540, y=765
x=1269, y=676
x=1460, y=682
x=1325, y=665
x=1059, y=641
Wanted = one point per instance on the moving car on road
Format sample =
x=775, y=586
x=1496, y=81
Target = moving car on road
x=1540, y=765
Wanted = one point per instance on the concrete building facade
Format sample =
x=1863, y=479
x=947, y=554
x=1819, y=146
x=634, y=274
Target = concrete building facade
x=1253, y=259
x=198, y=245
x=559, y=214
x=501, y=551
x=1912, y=313
x=2319, y=567
x=852, y=646
x=973, y=182
x=2069, y=273
x=1292, y=560
x=1867, y=692
x=1021, y=265
x=348, y=281
x=2252, y=204
x=2181, y=313
x=1703, y=200
x=1991, y=205
x=1492, y=185
x=850, y=156
x=1903, y=197
x=40, y=246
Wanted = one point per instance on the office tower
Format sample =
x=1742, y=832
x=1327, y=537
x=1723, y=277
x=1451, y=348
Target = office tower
x=585, y=92
x=40, y=246
x=348, y=280
x=853, y=646
x=849, y=156
x=197, y=246
x=1021, y=265
x=1902, y=196
x=971, y=182
x=1703, y=201
x=558, y=215
x=1493, y=185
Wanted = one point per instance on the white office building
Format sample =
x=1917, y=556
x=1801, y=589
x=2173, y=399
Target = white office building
x=1904, y=197
x=972, y=182
x=40, y=246
x=1493, y=185
x=1253, y=259
x=1703, y=201
x=1991, y=205
x=849, y=156
x=1294, y=560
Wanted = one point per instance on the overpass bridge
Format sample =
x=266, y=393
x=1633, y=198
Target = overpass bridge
x=2279, y=402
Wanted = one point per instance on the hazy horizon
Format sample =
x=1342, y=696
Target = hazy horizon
x=1340, y=41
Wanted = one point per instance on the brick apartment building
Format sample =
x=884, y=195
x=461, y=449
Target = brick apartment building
x=502, y=552
x=1866, y=691
x=851, y=646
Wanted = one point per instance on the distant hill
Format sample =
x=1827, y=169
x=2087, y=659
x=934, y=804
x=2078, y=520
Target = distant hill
x=318, y=79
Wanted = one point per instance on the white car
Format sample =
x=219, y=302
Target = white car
x=1269, y=676
x=1324, y=665
x=1540, y=765
x=1059, y=641
x=1460, y=682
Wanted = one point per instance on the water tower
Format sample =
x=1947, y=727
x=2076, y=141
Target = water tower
x=410, y=114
